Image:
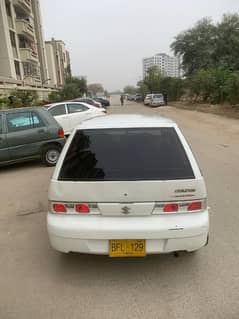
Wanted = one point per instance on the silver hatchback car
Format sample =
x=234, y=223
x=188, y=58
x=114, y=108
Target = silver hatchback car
x=157, y=100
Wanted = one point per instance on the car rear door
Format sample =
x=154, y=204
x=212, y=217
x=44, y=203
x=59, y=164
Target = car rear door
x=77, y=113
x=4, y=151
x=60, y=114
x=26, y=131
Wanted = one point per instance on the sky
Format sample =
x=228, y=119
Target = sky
x=107, y=39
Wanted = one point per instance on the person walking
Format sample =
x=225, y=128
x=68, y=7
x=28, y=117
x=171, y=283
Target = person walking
x=122, y=100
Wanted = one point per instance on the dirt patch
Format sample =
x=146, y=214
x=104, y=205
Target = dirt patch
x=223, y=110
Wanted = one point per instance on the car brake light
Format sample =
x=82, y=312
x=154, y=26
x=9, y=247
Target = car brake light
x=195, y=206
x=168, y=208
x=61, y=132
x=59, y=208
x=82, y=208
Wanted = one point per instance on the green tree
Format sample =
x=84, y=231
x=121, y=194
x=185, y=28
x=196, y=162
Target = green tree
x=227, y=43
x=95, y=88
x=142, y=88
x=130, y=89
x=152, y=79
x=22, y=98
x=196, y=46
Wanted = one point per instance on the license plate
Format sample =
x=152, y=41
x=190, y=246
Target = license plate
x=127, y=248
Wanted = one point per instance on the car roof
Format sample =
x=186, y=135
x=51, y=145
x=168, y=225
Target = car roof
x=19, y=109
x=126, y=121
x=49, y=106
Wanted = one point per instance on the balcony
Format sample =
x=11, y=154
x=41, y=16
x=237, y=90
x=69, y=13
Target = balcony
x=25, y=28
x=23, y=6
x=28, y=54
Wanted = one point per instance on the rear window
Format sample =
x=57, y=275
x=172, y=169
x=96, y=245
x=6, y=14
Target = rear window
x=158, y=96
x=126, y=155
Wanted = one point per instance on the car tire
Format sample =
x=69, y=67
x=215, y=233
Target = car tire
x=50, y=154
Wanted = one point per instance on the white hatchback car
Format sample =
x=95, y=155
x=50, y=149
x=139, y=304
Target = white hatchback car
x=127, y=185
x=71, y=114
x=157, y=100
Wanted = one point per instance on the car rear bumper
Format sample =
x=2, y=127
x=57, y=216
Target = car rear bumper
x=163, y=234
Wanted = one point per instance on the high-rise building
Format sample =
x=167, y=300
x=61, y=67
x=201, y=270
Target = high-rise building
x=58, y=61
x=169, y=66
x=22, y=54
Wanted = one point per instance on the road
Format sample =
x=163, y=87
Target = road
x=38, y=282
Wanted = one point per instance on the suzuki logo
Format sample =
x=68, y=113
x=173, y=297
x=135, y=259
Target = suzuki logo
x=125, y=210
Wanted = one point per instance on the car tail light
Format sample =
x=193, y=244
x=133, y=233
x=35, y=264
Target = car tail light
x=168, y=208
x=61, y=132
x=195, y=206
x=59, y=208
x=183, y=207
x=82, y=208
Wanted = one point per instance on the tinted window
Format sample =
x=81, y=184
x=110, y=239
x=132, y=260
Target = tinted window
x=58, y=110
x=19, y=121
x=126, y=154
x=74, y=108
x=23, y=121
x=158, y=96
x=0, y=124
x=37, y=121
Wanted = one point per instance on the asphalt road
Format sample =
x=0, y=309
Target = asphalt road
x=38, y=282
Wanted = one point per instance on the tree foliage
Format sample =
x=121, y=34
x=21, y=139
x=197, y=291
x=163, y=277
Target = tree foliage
x=152, y=79
x=208, y=45
x=95, y=88
x=130, y=89
x=209, y=54
x=155, y=82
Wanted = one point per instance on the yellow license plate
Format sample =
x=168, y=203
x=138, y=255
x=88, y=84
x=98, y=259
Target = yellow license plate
x=127, y=248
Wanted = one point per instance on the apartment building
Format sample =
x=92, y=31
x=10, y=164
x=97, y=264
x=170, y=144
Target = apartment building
x=169, y=66
x=22, y=56
x=58, y=62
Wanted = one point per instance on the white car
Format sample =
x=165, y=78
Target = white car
x=71, y=114
x=148, y=99
x=157, y=100
x=127, y=185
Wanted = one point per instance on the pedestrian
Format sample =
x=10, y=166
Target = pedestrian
x=165, y=97
x=122, y=100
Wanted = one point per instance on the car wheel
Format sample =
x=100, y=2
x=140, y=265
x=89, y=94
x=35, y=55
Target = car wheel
x=50, y=154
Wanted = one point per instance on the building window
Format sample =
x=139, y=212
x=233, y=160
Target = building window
x=13, y=39
x=17, y=68
x=8, y=8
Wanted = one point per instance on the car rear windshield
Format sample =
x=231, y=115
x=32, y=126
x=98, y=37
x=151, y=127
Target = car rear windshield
x=126, y=155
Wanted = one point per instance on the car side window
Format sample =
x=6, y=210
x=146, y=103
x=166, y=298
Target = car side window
x=19, y=121
x=58, y=110
x=0, y=124
x=73, y=108
x=37, y=121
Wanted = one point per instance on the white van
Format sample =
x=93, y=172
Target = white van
x=127, y=185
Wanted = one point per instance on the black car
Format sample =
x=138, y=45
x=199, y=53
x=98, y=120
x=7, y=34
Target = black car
x=103, y=101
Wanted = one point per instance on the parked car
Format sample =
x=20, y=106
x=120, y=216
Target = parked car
x=104, y=102
x=148, y=99
x=28, y=133
x=71, y=114
x=130, y=97
x=138, y=97
x=157, y=100
x=127, y=185
x=88, y=101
